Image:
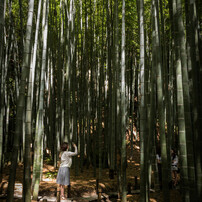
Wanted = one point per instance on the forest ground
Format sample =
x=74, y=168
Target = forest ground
x=84, y=185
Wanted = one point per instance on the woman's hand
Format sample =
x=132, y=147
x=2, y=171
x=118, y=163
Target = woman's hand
x=74, y=145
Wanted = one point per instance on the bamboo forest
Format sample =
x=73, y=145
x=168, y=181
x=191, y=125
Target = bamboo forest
x=108, y=91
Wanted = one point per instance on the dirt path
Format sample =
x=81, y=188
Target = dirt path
x=83, y=186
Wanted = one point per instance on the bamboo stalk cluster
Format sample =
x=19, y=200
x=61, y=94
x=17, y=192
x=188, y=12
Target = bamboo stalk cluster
x=93, y=72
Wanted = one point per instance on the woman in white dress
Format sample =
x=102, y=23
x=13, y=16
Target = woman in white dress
x=63, y=176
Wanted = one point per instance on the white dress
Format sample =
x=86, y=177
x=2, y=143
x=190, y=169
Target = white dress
x=63, y=176
x=174, y=163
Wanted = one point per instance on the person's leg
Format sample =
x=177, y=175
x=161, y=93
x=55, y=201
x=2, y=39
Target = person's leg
x=62, y=190
x=68, y=183
x=175, y=177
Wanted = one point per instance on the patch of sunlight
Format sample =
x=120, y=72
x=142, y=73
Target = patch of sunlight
x=18, y=190
x=102, y=185
x=18, y=186
x=49, y=198
x=137, y=147
x=92, y=180
x=73, y=183
x=89, y=194
x=47, y=179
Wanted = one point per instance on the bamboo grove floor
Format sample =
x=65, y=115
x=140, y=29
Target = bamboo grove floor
x=83, y=187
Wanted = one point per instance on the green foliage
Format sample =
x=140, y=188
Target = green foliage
x=13, y=16
x=51, y=174
x=132, y=37
x=48, y=160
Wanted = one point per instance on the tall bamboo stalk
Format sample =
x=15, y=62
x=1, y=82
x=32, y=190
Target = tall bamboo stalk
x=160, y=103
x=180, y=102
x=192, y=41
x=142, y=108
x=38, y=154
x=21, y=101
x=1, y=83
x=123, y=107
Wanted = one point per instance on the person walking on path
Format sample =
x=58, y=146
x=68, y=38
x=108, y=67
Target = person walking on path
x=63, y=176
x=174, y=166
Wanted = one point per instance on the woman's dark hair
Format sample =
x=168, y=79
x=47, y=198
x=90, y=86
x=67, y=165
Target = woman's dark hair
x=64, y=146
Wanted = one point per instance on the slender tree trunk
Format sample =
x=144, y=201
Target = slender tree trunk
x=142, y=97
x=94, y=86
x=151, y=112
x=38, y=155
x=33, y=62
x=59, y=126
x=81, y=93
x=101, y=101
x=160, y=103
x=166, y=88
x=1, y=32
x=28, y=128
x=196, y=114
x=21, y=31
x=67, y=76
x=73, y=65
x=2, y=3
x=21, y=102
x=111, y=109
x=180, y=101
x=186, y=96
x=123, y=108
x=115, y=61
